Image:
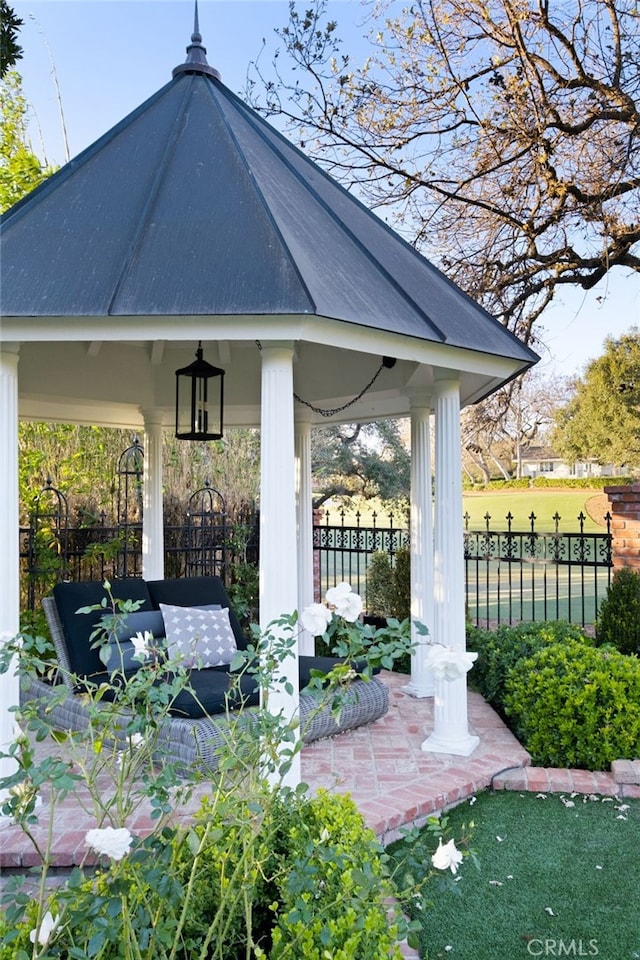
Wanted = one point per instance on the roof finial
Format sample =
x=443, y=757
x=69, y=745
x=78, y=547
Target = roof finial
x=196, y=61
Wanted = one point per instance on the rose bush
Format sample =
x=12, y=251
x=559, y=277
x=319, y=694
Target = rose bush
x=261, y=871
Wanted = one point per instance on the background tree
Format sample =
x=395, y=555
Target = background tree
x=602, y=420
x=10, y=50
x=497, y=431
x=20, y=169
x=499, y=136
x=367, y=460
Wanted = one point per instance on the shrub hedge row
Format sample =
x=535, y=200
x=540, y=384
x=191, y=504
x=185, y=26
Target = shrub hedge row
x=569, y=702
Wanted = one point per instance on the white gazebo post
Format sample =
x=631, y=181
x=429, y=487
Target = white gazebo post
x=278, y=548
x=9, y=540
x=304, y=511
x=421, y=529
x=450, y=731
x=152, y=516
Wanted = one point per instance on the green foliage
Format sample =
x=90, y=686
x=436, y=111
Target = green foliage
x=500, y=650
x=389, y=584
x=20, y=169
x=331, y=883
x=401, y=604
x=263, y=872
x=582, y=483
x=602, y=420
x=368, y=460
x=618, y=621
x=10, y=49
x=573, y=705
x=379, y=585
x=571, y=483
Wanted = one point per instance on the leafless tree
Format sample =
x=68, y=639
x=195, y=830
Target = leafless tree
x=502, y=137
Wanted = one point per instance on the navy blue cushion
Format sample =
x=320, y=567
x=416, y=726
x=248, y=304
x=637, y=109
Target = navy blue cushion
x=210, y=688
x=122, y=650
x=78, y=627
x=196, y=592
x=325, y=664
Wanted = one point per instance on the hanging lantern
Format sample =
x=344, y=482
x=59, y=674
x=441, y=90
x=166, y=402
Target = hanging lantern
x=199, y=396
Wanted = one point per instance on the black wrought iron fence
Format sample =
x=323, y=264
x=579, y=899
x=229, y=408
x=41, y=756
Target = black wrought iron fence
x=207, y=543
x=511, y=575
x=343, y=551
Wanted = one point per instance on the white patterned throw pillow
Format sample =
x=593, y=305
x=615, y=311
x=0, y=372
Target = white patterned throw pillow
x=203, y=638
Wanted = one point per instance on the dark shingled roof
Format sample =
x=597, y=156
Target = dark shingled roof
x=194, y=205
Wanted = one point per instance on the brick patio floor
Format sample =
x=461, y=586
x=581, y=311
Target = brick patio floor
x=381, y=765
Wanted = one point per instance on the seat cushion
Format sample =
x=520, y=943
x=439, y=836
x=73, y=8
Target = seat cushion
x=324, y=664
x=196, y=592
x=78, y=627
x=208, y=694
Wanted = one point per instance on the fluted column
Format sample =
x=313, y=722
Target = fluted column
x=304, y=515
x=278, y=548
x=152, y=517
x=421, y=529
x=9, y=540
x=450, y=731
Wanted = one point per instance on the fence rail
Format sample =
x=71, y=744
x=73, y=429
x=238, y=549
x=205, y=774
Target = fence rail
x=343, y=551
x=513, y=575
x=510, y=574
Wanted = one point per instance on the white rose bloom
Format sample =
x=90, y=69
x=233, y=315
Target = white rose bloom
x=448, y=664
x=141, y=644
x=347, y=603
x=338, y=593
x=315, y=618
x=447, y=857
x=44, y=931
x=110, y=841
x=351, y=608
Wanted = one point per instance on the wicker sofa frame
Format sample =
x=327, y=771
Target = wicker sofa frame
x=193, y=745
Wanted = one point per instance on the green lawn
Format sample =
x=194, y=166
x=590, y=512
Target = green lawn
x=556, y=873
x=568, y=504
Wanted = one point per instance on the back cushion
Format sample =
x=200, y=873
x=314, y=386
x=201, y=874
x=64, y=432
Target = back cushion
x=196, y=592
x=121, y=649
x=78, y=627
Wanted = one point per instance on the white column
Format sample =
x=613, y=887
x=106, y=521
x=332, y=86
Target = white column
x=422, y=683
x=304, y=514
x=451, y=731
x=9, y=539
x=152, y=517
x=278, y=548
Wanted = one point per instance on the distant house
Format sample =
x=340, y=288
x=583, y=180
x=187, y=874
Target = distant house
x=541, y=461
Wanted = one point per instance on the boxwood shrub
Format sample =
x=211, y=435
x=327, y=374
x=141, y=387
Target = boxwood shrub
x=499, y=650
x=619, y=614
x=573, y=705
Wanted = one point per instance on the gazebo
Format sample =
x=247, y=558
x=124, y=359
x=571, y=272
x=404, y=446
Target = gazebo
x=193, y=221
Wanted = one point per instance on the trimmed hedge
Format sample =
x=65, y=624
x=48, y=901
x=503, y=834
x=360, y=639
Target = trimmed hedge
x=572, y=705
x=500, y=650
x=618, y=621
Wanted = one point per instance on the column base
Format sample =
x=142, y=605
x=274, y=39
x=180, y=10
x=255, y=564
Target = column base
x=459, y=746
x=420, y=688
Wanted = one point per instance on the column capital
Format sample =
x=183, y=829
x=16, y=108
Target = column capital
x=444, y=376
x=10, y=347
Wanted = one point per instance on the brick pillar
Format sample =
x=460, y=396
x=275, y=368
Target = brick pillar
x=624, y=507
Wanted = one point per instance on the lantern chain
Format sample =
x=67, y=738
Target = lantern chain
x=325, y=412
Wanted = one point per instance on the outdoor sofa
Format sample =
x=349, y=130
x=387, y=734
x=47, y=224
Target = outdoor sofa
x=194, y=732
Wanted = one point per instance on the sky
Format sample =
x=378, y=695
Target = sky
x=91, y=62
